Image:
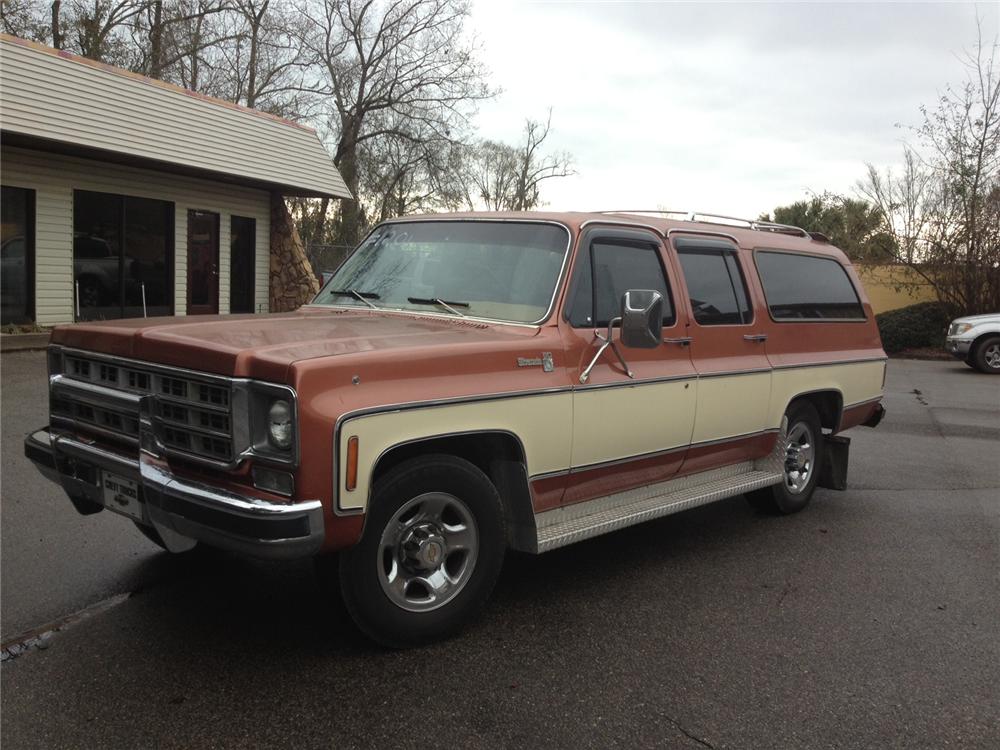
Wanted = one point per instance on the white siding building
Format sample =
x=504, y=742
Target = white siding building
x=123, y=195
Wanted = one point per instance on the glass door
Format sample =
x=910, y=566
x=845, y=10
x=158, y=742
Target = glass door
x=203, y=263
x=242, y=260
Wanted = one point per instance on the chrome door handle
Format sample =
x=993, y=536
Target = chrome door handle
x=755, y=337
x=682, y=341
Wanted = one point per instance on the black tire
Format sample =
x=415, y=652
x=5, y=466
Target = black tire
x=987, y=356
x=971, y=363
x=782, y=499
x=406, y=552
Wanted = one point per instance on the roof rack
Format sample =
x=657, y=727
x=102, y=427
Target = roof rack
x=722, y=219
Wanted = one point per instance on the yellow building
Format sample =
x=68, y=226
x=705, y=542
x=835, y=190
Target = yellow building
x=891, y=287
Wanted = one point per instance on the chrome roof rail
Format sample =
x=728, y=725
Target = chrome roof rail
x=708, y=218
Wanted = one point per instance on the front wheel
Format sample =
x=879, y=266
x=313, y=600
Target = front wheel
x=987, y=356
x=431, y=551
x=803, y=454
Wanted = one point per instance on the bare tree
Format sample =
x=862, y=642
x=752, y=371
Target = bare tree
x=166, y=35
x=491, y=175
x=944, y=207
x=381, y=63
x=501, y=177
x=28, y=19
x=100, y=27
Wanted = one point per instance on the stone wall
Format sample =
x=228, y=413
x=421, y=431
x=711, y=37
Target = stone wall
x=292, y=280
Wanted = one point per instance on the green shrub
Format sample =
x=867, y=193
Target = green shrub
x=913, y=327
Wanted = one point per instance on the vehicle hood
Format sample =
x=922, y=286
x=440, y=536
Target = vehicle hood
x=975, y=319
x=265, y=346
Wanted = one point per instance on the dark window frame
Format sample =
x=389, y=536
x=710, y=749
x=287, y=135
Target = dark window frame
x=30, y=260
x=634, y=238
x=713, y=246
x=169, y=240
x=776, y=251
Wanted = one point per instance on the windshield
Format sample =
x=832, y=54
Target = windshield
x=481, y=269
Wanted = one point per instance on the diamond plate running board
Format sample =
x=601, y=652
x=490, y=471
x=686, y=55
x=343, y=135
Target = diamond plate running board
x=561, y=526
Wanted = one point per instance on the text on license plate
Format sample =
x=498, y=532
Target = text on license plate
x=121, y=495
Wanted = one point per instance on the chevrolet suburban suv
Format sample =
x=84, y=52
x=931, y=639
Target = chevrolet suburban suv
x=466, y=384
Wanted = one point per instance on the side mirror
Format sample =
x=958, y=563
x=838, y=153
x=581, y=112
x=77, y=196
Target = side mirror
x=642, y=318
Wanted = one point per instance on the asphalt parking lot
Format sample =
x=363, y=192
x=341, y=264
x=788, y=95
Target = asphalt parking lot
x=872, y=619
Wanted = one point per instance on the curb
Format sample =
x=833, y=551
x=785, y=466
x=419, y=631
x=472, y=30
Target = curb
x=23, y=342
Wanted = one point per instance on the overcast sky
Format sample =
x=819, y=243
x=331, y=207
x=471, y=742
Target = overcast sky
x=718, y=107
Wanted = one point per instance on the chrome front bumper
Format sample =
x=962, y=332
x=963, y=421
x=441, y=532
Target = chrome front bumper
x=176, y=506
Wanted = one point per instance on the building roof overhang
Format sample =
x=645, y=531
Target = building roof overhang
x=58, y=102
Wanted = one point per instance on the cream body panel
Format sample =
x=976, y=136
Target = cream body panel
x=857, y=382
x=542, y=423
x=609, y=423
x=615, y=423
x=732, y=405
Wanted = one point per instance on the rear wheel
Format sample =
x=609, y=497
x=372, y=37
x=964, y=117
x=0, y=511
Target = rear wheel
x=431, y=551
x=803, y=456
x=987, y=356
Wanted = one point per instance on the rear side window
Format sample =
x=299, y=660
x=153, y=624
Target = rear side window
x=715, y=285
x=613, y=270
x=806, y=287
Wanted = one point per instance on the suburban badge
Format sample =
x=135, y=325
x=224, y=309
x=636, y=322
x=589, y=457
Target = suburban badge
x=545, y=362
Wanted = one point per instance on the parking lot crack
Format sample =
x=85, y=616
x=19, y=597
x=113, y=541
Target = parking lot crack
x=680, y=728
x=39, y=637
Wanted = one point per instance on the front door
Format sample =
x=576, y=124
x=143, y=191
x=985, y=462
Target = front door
x=203, y=263
x=627, y=431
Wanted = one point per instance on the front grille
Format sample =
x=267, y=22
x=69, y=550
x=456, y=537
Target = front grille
x=192, y=414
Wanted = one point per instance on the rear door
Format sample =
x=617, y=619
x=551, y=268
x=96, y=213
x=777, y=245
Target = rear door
x=627, y=431
x=727, y=350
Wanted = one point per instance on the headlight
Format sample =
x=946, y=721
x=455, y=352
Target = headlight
x=959, y=328
x=270, y=430
x=280, y=427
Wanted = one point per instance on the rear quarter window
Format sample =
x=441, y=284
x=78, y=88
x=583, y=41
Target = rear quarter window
x=807, y=287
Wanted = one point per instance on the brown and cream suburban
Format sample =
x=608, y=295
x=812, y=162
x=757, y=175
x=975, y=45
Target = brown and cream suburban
x=469, y=383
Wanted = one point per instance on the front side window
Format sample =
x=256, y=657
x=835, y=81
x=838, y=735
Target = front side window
x=499, y=270
x=613, y=269
x=715, y=285
x=807, y=287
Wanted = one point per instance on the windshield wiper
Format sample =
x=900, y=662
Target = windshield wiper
x=363, y=296
x=449, y=306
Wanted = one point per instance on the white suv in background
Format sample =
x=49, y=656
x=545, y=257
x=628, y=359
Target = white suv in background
x=976, y=340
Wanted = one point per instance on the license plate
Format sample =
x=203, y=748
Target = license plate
x=121, y=495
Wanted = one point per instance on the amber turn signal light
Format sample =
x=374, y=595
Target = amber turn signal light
x=352, y=463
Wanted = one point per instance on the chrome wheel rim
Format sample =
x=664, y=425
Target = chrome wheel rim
x=992, y=356
x=427, y=552
x=800, y=457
